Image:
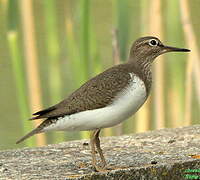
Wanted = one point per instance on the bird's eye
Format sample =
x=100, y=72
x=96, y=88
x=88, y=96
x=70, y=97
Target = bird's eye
x=153, y=42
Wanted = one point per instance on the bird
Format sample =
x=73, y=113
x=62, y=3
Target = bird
x=106, y=99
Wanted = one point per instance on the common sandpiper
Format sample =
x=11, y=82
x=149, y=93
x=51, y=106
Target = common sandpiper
x=108, y=98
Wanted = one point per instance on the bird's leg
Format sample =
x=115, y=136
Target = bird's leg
x=98, y=146
x=93, y=142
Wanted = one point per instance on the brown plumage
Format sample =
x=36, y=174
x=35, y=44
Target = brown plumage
x=95, y=93
x=102, y=90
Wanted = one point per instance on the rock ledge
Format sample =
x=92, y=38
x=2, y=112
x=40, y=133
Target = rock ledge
x=161, y=154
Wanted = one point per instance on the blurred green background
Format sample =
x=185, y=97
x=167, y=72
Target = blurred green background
x=48, y=48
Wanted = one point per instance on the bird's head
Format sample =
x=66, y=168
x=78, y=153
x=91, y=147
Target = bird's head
x=148, y=48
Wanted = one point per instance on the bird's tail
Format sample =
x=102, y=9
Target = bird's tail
x=33, y=132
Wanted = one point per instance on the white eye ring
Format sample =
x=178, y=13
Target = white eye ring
x=153, y=42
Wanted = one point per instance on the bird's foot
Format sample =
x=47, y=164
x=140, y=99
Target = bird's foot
x=106, y=168
x=99, y=168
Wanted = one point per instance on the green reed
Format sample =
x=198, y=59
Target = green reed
x=175, y=65
x=53, y=53
x=83, y=55
x=20, y=82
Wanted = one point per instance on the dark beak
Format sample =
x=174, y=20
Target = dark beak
x=174, y=49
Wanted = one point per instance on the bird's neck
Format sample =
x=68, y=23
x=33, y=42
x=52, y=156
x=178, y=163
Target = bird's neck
x=143, y=69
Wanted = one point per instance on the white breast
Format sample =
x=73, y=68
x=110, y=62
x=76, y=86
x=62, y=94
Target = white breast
x=125, y=105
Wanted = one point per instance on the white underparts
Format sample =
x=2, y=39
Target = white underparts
x=124, y=105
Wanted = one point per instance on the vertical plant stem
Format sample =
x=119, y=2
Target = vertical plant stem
x=193, y=61
x=122, y=21
x=53, y=50
x=73, y=54
x=155, y=29
x=173, y=109
x=115, y=45
x=31, y=61
x=85, y=35
x=19, y=75
x=175, y=67
x=3, y=26
x=196, y=75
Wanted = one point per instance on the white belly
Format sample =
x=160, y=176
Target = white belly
x=125, y=105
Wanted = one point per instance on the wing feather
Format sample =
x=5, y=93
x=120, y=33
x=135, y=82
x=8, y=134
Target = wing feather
x=96, y=93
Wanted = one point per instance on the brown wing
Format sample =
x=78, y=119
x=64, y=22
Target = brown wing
x=96, y=93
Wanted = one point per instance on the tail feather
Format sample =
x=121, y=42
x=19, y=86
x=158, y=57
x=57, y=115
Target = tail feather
x=37, y=130
x=43, y=113
x=33, y=132
x=35, y=118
